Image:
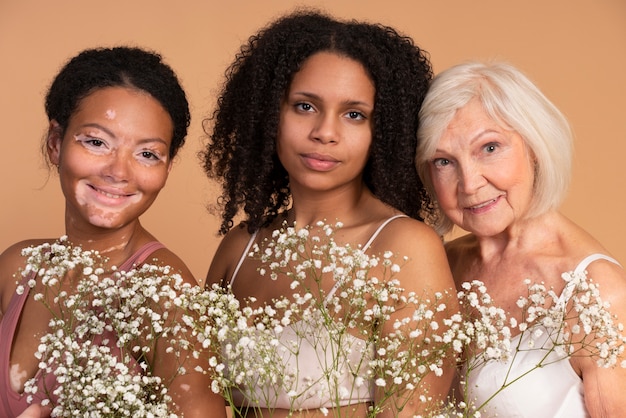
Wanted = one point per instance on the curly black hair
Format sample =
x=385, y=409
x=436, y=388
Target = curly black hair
x=242, y=131
x=122, y=66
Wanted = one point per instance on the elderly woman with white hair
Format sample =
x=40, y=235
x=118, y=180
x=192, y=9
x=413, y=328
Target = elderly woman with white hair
x=495, y=154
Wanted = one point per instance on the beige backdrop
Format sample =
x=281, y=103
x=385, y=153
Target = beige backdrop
x=575, y=50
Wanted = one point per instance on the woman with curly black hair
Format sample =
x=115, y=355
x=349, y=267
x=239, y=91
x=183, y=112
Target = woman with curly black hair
x=317, y=121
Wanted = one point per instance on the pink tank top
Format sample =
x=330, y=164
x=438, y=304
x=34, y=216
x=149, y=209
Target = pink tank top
x=11, y=402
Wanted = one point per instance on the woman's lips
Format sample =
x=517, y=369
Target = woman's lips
x=484, y=206
x=110, y=196
x=319, y=162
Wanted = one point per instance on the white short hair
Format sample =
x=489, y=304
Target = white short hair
x=510, y=98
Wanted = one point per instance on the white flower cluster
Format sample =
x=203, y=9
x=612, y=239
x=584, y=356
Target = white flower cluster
x=255, y=347
x=576, y=322
x=103, y=330
x=365, y=335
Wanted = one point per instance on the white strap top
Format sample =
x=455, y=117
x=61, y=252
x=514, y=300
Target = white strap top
x=582, y=266
x=312, y=361
x=254, y=235
x=243, y=257
x=551, y=391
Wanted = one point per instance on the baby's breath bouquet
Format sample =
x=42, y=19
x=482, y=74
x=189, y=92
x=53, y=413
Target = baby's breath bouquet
x=256, y=352
x=553, y=328
x=365, y=335
x=104, y=329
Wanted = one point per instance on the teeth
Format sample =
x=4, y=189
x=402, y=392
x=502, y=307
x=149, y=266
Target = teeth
x=113, y=196
x=484, y=204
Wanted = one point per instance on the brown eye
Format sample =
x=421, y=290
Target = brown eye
x=306, y=107
x=94, y=142
x=356, y=115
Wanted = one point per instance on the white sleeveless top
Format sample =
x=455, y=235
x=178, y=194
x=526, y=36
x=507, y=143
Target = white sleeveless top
x=313, y=362
x=552, y=391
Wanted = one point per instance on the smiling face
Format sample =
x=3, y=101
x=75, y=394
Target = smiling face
x=482, y=173
x=325, y=127
x=113, y=158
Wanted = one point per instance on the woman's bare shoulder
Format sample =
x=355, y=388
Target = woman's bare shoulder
x=421, y=248
x=405, y=232
x=11, y=263
x=166, y=257
x=11, y=259
x=228, y=253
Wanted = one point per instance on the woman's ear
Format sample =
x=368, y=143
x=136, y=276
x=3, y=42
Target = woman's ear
x=53, y=142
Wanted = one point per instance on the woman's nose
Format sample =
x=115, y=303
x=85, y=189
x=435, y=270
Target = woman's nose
x=117, y=167
x=471, y=178
x=326, y=129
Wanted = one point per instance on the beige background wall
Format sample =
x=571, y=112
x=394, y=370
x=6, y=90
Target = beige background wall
x=575, y=50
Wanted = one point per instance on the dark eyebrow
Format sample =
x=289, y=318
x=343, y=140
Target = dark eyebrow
x=347, y=102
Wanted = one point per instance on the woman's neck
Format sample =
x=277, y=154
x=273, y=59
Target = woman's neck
x=345, y=205
x=115, y=244
x=522, y=237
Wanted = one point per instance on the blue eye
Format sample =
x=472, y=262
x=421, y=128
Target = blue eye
x=441, y=162
x=490, y=148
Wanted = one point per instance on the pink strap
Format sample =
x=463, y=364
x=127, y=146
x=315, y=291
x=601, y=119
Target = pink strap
x=141, y=255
